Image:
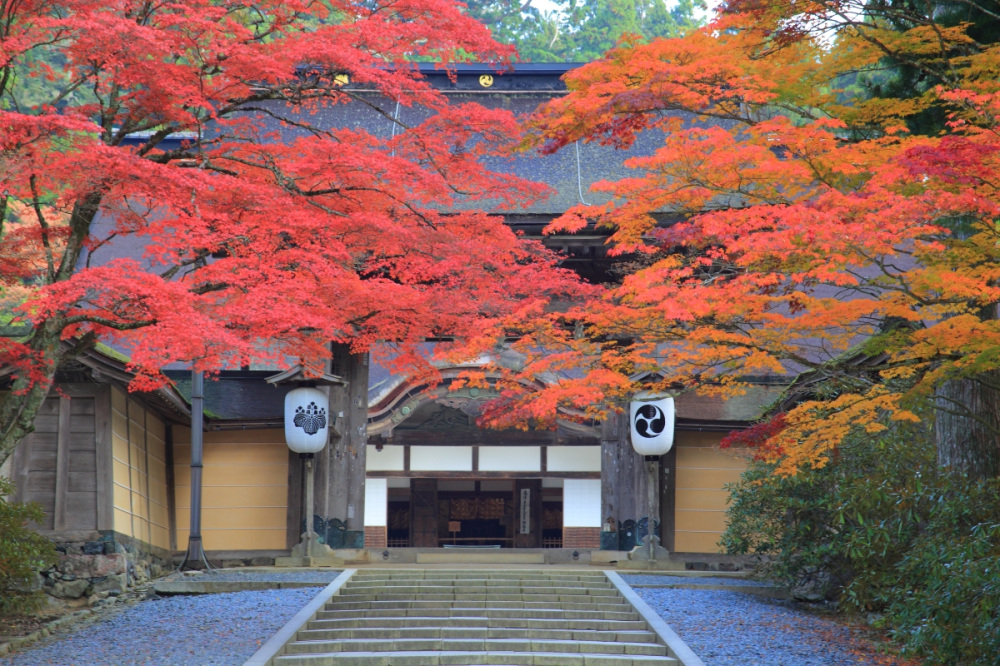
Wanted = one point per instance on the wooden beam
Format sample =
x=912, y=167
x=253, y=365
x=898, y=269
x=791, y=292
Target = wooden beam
x=19, y=467
x=668, y=500
x=81, y=390
x=171, y=486
x=432, y=474
x=483, y=438
x=103, y=458
x=294, y=511
x=62, y=464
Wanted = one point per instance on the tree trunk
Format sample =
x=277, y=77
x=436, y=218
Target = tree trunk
x=967, y=426
x=27, y=393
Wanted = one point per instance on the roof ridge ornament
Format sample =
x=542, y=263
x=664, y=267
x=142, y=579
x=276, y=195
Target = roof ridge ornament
x=297, y=375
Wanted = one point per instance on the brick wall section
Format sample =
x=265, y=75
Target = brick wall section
x=376, y=537
x=581, y=537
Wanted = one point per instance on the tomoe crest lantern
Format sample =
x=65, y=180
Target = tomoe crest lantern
x=652, y=421
x=307, y=422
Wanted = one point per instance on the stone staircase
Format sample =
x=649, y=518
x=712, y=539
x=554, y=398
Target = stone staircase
x=402, y=617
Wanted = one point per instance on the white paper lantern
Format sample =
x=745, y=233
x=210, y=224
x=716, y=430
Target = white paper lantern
x=307, y=420
x=652, y=425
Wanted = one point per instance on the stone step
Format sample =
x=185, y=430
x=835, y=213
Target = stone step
x=382, y=633
x=463, y=586
x=610, y=605
x=507, y=613
x=480, y=579
x=602, y=596
x=420, y=584
x=351, y=622
x=475, y=574
x=476, y=645
x=480, y=572
x=471, y=659
x=469, y=617
x=555, y=598
x=480, y=557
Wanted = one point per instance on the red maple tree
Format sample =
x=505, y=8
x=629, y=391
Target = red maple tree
x=170, y=182
x=807, y=227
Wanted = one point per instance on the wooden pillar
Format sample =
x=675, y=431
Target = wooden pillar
x=628, y=482
x=651, y=506
x=668, y=498
x=617, y=467
x=293, y=531
x=341, y=473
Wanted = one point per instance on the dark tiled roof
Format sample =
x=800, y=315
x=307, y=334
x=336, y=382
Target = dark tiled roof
x=236, y=396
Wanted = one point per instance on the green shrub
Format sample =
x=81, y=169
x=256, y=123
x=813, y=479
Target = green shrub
x=883, y=530
x=946, y=604
x=22, y=553
x=823, y=528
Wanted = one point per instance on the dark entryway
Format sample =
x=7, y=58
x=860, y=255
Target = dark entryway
x=514, y=513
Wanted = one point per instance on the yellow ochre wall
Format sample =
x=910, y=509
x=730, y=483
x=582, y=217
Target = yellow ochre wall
x=244, y=489
x=702, y=471
x=139, y=451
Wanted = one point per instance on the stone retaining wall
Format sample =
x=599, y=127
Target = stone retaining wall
x=108, y=565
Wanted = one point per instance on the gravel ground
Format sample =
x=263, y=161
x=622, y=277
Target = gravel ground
x=736, y=629
x=655, y=579
x=205, y=630
x=723, y=628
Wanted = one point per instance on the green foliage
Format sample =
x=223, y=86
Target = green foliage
x=883, y=530
x=913, y=76
x=580, y=31
x=946, y=602
x=22, y=552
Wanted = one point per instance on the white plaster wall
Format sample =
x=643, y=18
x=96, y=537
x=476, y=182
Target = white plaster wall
x=376, y=501
x=582, y=503
x=389, y=459
x=573, y=458
x=510, y=458
x=441, y=458
x=398, y=483
x=549, y=482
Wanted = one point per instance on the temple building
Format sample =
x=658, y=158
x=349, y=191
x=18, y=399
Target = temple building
x=409, y=469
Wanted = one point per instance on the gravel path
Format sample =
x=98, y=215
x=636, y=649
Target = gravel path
x=205, y=630
x=736, y=629
x=723, y=628
x=657, y=579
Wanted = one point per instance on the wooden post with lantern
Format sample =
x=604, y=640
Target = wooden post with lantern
x=308, y=423
x=652, y=429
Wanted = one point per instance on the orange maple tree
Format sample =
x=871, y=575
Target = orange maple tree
x=787, y=224
x=171, y=183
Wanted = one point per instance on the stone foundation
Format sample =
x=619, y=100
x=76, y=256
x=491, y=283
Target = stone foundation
x=376, y=537
x=108, y=564
x=582, y=537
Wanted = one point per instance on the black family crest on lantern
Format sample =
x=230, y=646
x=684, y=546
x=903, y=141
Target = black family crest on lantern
x=306, y=419
x=652, y=418
x=311, y=418
x=649, y=421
